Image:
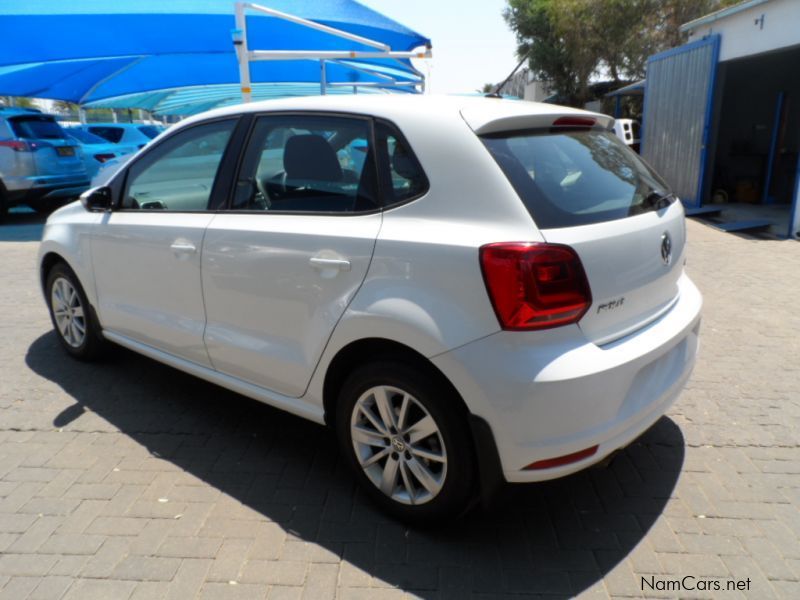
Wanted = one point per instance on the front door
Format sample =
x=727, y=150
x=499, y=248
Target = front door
x=281, y=267
x=146, y=254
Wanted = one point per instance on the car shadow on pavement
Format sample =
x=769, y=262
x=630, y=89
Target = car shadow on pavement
x=557, y=538
x=22, y=226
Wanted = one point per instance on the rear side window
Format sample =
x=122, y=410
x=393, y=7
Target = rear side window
x=112, y=134
x=402, y=176
x=149, y=131
x=37, y=128
x=576, y=177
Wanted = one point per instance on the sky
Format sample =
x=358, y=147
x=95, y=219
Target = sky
x=472, y=44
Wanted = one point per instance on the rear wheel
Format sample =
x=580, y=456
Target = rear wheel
x=407, y=440
x=71, y=314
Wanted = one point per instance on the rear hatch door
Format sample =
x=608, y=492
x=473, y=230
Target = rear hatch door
x=586, y=189
x=54, y=153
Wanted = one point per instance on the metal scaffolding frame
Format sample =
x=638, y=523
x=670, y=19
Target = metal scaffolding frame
x=245, y=56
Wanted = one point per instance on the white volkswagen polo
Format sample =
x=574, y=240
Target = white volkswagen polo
x=468, y=290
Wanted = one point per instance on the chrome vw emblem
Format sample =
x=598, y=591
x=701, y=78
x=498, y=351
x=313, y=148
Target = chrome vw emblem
x=666, y=248
x=398, y=444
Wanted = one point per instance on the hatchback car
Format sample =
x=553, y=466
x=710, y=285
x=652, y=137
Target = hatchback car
x=39, y=164
x=469, y=291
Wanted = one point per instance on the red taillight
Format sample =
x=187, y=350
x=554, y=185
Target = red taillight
x=574, y=122
x=19, y=146
x=535, y=285
x=560, y=461
x=103, y=157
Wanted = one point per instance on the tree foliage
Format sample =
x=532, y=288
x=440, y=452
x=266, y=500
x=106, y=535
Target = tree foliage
x=568, y=42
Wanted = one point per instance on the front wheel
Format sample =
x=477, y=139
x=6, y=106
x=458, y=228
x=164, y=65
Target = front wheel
x=406, y=437
x=71, y=314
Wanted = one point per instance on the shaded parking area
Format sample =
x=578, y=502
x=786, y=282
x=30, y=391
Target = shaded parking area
x=127, y=479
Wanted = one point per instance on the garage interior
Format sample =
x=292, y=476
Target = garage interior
x=754, y=163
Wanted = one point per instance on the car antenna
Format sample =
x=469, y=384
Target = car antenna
x=496, y=92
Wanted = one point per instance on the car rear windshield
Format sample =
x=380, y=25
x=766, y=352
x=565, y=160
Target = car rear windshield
x=149, y=131
x=577, y=177
x=37, y=128
x=85, y=136
x=112, y=134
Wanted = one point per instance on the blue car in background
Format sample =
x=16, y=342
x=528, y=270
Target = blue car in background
x=96, y=150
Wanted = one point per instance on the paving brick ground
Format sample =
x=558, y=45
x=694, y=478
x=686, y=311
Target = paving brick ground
x=128, y=480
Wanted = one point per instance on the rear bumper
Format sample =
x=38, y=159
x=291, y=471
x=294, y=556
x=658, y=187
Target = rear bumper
x=551, y=393
x=23, y=190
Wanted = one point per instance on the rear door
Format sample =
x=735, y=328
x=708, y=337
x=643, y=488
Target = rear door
x=586, y=189
x=282, y=265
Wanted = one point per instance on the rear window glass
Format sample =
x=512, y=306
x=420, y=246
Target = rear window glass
x=37, y=128
x=149, y=131
x=85, y=136
x=112, y=134
x=577, y=177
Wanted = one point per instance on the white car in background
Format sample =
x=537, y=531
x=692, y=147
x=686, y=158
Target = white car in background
x=131, y=135
x=469, y=291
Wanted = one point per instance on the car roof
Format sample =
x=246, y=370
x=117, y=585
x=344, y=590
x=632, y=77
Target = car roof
x=480, y=112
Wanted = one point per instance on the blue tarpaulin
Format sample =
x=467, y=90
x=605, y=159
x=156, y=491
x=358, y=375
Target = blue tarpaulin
x=86, y=51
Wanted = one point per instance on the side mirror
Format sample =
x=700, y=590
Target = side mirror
x=97, y=199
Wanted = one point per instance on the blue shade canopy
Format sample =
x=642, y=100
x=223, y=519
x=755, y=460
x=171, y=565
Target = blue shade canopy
x=85, y=51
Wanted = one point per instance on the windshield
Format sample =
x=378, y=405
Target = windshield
x=37, y=128
x=85, y=137
x=577, y=177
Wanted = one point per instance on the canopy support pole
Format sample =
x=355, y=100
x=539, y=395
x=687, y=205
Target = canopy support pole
x=244, y=55
x=240, y=43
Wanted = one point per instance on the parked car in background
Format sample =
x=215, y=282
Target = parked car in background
x=468, y=291
x=96, y=150
x=137, y=135
x=629, y=131
x=40, y=165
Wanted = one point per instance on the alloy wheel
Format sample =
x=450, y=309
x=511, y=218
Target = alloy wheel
x=68, y=312
x=398, y=445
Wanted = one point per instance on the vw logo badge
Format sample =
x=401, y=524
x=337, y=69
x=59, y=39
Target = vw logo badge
x=666, y=248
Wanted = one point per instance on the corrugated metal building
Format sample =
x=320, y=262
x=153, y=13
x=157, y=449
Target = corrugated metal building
x=722, y=114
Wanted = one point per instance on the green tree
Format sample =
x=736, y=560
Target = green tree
x=568, y=42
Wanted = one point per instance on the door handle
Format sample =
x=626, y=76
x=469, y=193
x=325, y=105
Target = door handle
x=183, y=247
x=330, y=263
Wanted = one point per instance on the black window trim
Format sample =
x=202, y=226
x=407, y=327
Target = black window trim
x=119, y=184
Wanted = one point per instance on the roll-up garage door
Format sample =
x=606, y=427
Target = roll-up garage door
x=677, y=114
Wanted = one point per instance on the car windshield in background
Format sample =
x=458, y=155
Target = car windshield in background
x=37, y=128
x=112, y=134
x=149, y=131
x=85, y=137
x=577, y=177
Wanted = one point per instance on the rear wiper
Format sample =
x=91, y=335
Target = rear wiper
x=657, y=200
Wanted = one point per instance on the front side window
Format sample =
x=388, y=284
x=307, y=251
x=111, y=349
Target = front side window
x=179, y=174
x=577, y=177
x=305, y=163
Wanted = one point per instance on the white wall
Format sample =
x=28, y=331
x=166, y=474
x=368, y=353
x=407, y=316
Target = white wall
x=743, y=33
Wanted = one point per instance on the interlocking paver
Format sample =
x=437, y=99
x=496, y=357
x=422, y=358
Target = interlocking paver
x=127, y=479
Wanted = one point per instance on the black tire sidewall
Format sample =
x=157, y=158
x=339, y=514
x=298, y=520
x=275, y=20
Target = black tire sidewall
x=91, y=342
x=458, y=490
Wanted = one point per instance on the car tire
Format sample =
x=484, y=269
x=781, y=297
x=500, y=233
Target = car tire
x=418, y=462
x=73, y=318
x=3, y=203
